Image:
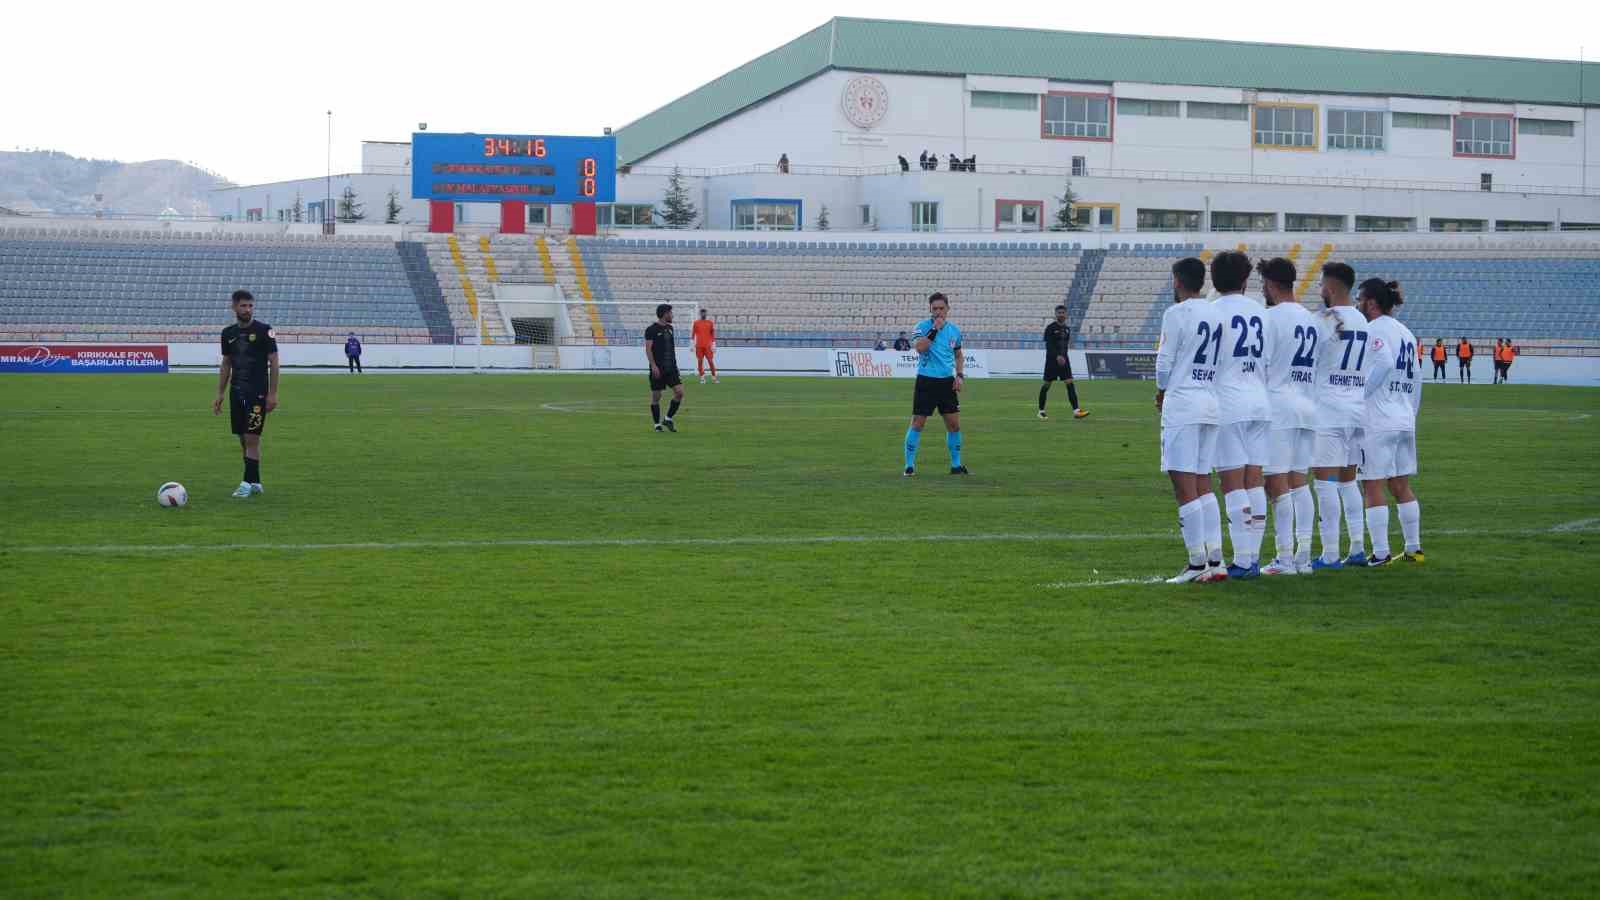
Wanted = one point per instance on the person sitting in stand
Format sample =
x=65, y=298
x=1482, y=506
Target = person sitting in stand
x=971, y=163
x=902, y=343
x=905, y=165
x=880, y=345
x=922, y=161
x=955, y=163
x=783, y=164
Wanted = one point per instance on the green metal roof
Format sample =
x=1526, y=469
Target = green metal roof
x=877, y=45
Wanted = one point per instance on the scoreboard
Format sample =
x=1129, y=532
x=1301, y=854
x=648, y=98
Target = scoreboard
x=531, y=168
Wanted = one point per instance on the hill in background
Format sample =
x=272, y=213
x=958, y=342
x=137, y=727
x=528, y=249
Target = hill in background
x=45, y=180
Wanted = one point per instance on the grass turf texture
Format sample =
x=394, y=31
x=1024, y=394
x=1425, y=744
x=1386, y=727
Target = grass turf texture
x=897, y=717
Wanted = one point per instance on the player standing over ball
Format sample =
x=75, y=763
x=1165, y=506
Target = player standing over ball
x=704, y=333
x=1186, y=370
x=1340, y=395
x=660, y=350
x=1389, y=436
x=1243, y=418
x=941, y=372
x=1057, y=365
x=250, y=367
x=1292, y=337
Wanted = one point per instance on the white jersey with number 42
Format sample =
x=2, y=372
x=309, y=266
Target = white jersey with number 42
x=1293, y=336
x=1393, y=390
x=1340, y=388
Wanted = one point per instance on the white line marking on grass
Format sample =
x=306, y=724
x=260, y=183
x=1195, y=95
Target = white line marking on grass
x=1579, y=525
x=1111, y=582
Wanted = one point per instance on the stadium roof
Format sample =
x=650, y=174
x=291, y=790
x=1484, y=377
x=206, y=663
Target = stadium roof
x=924, y=48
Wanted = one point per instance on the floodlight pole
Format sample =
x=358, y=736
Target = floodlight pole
x=327, y=201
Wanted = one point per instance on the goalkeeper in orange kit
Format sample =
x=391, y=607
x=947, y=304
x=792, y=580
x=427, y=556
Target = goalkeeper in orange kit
x=705, y=347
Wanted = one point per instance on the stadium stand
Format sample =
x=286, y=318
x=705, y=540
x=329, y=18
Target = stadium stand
x=76, y=285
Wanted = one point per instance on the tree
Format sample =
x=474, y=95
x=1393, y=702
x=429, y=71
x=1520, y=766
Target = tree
x=349, y=209
x=822, y=218
x=679, y=211
x=297, y=212
x=392, y=210
x=1065, y=220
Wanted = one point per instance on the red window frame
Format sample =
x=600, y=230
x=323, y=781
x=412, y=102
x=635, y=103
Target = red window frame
x=1000, y=200
x=1111, y=117
x=1509, y=117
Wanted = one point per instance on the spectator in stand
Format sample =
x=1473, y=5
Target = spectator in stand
x=352, y=353
x=783, y=164
x=1464, y=361
x=933, y=163
x=955, y=163
x=902, y=343
x=905, y=164
x=971, y=163
x=1440, y=355
x=922, y=161
x=880, y=345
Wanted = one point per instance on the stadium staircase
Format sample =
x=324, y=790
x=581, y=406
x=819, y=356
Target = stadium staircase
x=1083, y=283
x=425, y=284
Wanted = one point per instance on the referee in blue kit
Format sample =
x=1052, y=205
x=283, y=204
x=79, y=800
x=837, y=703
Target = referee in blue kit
x=940, y=373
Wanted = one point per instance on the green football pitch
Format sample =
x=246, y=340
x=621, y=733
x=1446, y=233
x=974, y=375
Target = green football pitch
x=491, y=636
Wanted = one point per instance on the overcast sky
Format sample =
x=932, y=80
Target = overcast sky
x=244, y=89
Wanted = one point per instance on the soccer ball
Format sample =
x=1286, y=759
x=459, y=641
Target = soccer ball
x=172, y=494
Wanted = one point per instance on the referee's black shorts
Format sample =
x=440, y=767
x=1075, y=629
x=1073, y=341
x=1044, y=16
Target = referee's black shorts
x=1053, y=372
x=935, y=394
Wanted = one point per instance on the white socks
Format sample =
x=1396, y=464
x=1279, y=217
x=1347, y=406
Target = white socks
x=1213, y=520
x=1328, y=518
x=1238, y=503
x=1350, y=493
x=1304, y=516
x=1378, y=528
x=1283, y=525
x=1258, y=521
x=1411, y=525
x=1192, y=522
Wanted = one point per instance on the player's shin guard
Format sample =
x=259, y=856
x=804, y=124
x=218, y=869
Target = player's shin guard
x=672, y=409
x=1238, y=503
x=1044, y=392
x=1411, y=525
x=655, y=413
x=1354, y=508
x=1258, y=521
x=1283, y=525
x=252, y=470
x=1213, y=520
x=1192, y=522
x=952, y=440
x=1378, y=525
x=913, y=438
x=1072, y=395
x=1305, y=517
x=1328, y=518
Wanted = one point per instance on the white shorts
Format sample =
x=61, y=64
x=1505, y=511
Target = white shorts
x=1336, y=448
x=1289, y=450
x=1388, y=454
x=1188, y=448
x=1241, y=444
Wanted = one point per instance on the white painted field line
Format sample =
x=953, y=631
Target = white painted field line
x=1110, y=582
x=1579, y=526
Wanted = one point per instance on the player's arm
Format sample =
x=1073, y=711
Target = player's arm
x=650, y=357
x=961, y=365
x=1166, y=354
x=225, y=371
x=272, y=381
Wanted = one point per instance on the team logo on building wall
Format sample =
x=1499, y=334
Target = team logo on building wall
x=865, y=101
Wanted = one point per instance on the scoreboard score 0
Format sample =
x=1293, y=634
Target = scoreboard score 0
x=532, y=168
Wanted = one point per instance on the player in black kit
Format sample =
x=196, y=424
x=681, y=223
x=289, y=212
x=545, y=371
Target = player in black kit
x=1057, y=365
x=250, y=361
x=662, y=354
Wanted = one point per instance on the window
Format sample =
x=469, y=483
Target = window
x=1286, y=126
x=1483, y=136
x=1083, y=216
x=1544, y=127
x=924, y=216
x=252, y=215
x=1425, y=121
x=1080, y=166
x=1018, y=215
x=538, y=214
x=1486, y=181
x=1312, y=222
x=1233, y=112
x=1244, y=221
x=1077, y=116
x=1514, y=225
x=1108, y=217
x=1004, y=100
x=766, y=215
x=1580, y=226
x=1169, y=220
x=1455, y=225
x=1385, y=223
x=624, y=215
x=461, y=212
x=1164, y=109
x=1355, y=129
x=866, y=214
